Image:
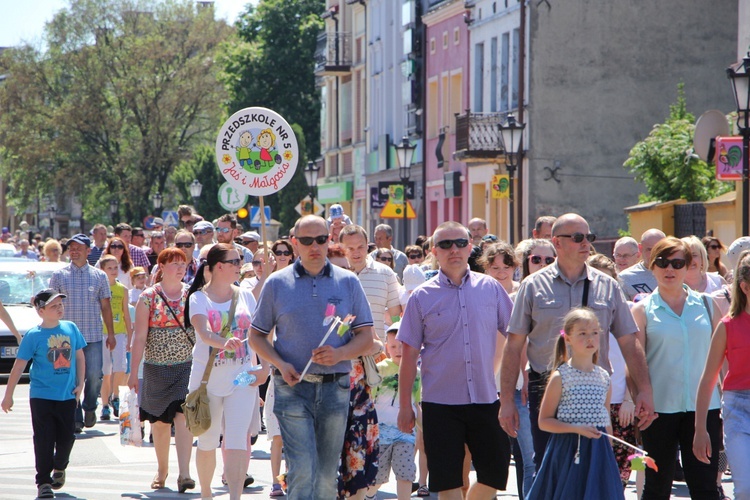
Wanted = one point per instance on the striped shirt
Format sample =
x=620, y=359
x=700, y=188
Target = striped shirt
x=85, y=288
x=95, y=254
x=381, y=288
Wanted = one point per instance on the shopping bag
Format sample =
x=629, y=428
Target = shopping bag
x=130, y=421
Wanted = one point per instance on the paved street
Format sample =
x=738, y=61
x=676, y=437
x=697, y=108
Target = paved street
x=102, y=469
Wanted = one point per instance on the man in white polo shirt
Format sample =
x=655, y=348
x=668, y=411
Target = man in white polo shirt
x=378, y=280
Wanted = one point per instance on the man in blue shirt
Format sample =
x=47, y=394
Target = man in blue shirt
x=312, y=410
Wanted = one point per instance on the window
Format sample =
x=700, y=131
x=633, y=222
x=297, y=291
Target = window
x=493, y=74
x=514, y=72
x=456, y=99
x=432, y=108
x=432, y=45
x=504, y=68
x=479, y=77
x=456, y=36
x=445, y=39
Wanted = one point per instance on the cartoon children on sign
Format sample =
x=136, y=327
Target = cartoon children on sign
x=266, y=141
x=244, y=149
x=261, y=156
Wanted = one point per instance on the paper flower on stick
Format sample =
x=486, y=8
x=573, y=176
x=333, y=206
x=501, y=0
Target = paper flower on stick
x=640, y=462
x=345, y=325
x=330, y=313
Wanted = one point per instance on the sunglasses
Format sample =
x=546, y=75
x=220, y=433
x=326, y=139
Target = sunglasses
x=279, y=253
x=138, y=235
x=257, y=262
x=537, y=259
x=447, y=244
x=385, y=259
x=578, y=237
x=186, y=244
x=663, y=262
x=308, y=240
x=201, y=232
x=222, y=230
x=116, y=247
x=714, y=247
x=234, y=262
x=415, y=256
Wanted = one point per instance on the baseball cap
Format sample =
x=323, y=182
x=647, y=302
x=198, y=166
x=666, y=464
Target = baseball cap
x=203, y=225
x=735, y=249
x=413, y=277
x=6, y=230
x=158, y=221
x=394, y=327
x=46, y=296
x=489, y=237
x=336, y=211
x=250, y=235
x=80, y=238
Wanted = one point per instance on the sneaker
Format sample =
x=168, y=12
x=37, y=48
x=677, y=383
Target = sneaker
x=45, y=491
x=116, y=407
x=276, y=491
x=248, y=481
x=89, y=418
x=105, y=413
x=58, y=479
x=78, y=427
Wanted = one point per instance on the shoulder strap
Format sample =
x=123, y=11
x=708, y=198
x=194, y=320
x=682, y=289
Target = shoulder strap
x=709, y=309
x=585, y=298
x=166, y=302
x=215, y=350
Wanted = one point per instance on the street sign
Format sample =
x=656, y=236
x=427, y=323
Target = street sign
x=231, y=199
x=396, y=205
x=304, y=207
x=729, y=158
x=383, y=190
x=255, y=216
x=148, y=222
x=500, y=186
x=170, y=218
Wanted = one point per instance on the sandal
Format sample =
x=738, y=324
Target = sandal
x=158, y=484
x=276, y=491
x=423, y=491
x=184, y=484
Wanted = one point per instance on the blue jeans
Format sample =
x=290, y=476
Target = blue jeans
x=93, y=386
x=525, y=443
x=736, y=413
x=312, y=418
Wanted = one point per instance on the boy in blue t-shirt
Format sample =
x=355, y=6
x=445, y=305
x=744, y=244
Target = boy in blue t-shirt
x=56, y=381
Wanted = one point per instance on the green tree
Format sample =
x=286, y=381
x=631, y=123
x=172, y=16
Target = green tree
x=271, y=64
x=666, y=164
x=201, y=166
x=123, y=93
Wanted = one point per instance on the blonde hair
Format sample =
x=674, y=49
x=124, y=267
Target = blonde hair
x=107, y=258
x=267, y=131
x=574, y=316
x=695, y=245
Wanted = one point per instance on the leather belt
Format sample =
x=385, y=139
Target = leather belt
x=314, y=378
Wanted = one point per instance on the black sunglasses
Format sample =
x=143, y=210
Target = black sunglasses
x=537, y=259
x=447, y=244
x=279, y=253
x=578, y=237
x=385, y=259
x=234, y=262
x=186, y=244
x=663, y=262
x=117, y=246
x=714, y=247
x=308, y=240
x=415, y=256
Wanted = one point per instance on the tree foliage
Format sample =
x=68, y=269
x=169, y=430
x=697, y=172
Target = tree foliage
x=271, y=64
x=124, y=91
x=666, y=163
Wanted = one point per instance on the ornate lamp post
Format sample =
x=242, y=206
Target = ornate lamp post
x=52, y=217
x=405, y=153
x=195, y=191
x=510, y=136
x=114, y=206
x=157, y=199
x=739, y=74
x=311, y=177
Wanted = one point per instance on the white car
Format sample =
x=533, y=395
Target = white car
x=20, y=280
x=7, y=250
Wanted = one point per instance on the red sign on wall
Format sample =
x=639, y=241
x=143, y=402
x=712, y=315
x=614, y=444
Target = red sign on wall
x=729, y=158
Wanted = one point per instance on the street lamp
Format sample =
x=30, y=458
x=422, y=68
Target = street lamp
x=157, y=199
x=52, y=215
x=195, y=191
x=404, y=154
x=114, y=205
x=739, y=74
x=311, y=177
x=510, y=138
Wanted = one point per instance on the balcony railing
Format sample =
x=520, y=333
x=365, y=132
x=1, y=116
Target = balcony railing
x=333, y=54
x=478, y=136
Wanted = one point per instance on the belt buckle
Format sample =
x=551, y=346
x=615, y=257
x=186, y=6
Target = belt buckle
x=312, y=378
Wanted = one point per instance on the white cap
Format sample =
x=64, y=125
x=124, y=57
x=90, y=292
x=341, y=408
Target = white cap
x=735, y=249
x=250, y=235
x=413, y=277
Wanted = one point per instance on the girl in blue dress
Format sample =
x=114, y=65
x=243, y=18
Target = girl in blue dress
x=578, y=463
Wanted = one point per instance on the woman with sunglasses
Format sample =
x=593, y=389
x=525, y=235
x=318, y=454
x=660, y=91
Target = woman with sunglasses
x=384, y=256
x=675, y=325
x=283, y=252
x=697, y=277
x=119, y=249
x=535, y=254
x=414, y=254
x=714, y=247
x=232, y=406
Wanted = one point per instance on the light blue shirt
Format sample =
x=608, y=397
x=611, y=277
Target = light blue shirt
x=676, y=351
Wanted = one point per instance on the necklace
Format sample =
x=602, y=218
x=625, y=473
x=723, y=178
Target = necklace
x=171, y=299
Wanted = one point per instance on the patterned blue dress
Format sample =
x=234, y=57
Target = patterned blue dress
x=576, y=467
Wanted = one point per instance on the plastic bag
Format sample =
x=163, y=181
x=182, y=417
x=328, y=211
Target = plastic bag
x=130, y=421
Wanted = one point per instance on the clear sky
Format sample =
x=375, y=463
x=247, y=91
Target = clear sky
x=23, y=20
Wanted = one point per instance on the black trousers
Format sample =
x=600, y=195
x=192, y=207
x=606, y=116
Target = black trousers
x=537, y=385
x=54, y=434
x=660, y=440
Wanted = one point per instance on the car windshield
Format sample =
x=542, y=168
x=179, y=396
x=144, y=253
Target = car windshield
x=18, y=287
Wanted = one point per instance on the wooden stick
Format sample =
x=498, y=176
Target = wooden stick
x=644, y=452
x=267, y=260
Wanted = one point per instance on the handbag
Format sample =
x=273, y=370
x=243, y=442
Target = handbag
x=372, y=374
x=195, y=408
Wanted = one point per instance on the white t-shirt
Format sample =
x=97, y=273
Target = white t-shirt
x=228, y=364
x=617, y=379
x=133, y=294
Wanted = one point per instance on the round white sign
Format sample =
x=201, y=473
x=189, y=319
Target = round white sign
x=256, y=151
x=230, y=198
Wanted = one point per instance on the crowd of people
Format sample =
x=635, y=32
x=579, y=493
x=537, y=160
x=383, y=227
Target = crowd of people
x=460, y=351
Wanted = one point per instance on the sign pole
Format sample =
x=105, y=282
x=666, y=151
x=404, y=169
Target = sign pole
x=266, y=263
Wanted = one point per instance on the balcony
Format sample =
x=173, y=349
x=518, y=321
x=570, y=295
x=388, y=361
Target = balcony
x=333, y=54
x=478, y=137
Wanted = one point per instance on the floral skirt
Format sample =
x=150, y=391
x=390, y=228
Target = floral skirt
x=359, y=458
x=627, y=434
